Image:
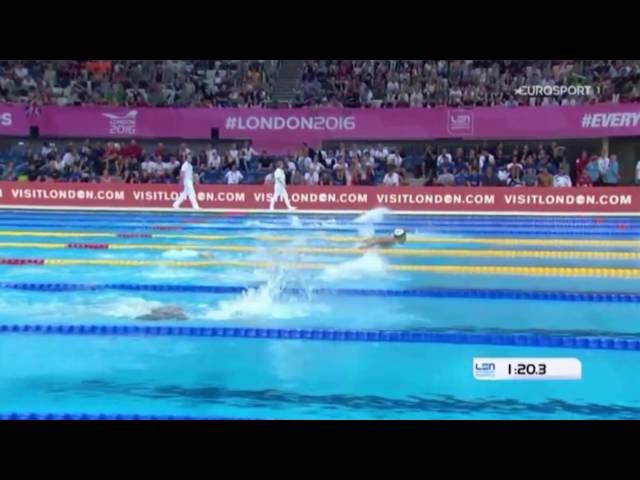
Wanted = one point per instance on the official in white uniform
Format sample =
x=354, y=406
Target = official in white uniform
x=186, y=178
x=280, y=187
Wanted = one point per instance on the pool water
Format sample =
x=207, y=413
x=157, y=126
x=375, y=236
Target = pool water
x=304, y=272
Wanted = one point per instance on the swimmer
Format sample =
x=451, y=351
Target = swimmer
x=399, y=236
x=206, y=255
x=169, y=312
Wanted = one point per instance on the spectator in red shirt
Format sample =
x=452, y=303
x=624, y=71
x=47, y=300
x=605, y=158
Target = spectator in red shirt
x=584, y=180
x=133, y=150
x=581, y=163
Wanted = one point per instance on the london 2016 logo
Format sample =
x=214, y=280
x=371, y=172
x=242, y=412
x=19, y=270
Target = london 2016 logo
x=459, y=122
x=122, y=124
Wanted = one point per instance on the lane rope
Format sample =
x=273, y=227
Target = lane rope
x=155, y=218
x=337, y=239
x=625, y=231
x=392, y=336
x=405, y=252
x=107, y=416
x=475, y=269
x=565, y=296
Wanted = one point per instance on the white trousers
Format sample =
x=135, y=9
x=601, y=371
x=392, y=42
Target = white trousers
x=187, y=191
x=280, y=193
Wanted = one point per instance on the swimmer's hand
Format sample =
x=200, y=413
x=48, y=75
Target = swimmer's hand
x=206, y=255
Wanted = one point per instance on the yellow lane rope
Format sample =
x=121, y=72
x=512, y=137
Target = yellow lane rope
x=555, y=242
x=357, y=251
x=487, y=270
x=495, y=241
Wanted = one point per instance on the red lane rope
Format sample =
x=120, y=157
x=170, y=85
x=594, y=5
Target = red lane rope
x=21, y=261
x=134, y=235
x=92, y=246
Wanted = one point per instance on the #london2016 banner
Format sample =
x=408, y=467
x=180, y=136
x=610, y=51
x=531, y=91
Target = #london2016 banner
x=279, y=131
x=475, y=200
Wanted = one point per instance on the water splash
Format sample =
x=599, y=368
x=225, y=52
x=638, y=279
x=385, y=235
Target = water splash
x=270, y=300
x=373, y=216
x=371, y=264
x=265, y=302
x=180, y=254
x=295, y=222
x=368, y=220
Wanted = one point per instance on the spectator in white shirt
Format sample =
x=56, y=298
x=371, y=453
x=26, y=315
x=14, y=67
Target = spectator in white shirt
x=417, y=98
x=340, y=165
x=147, y=165
x=312, y=177
x=245, y=155
x=391, y=179
x=46, y=150
x=21, y=72
x=306, y=163
x=68, y=158
x=380, y=153
x=486, y=157
x=603, y=162
x=269, y=178
x=165, y=166
x=443, y=158
x=394, y=159
x=562, y=179
x=233, y=153
x=503, y=173
x=233, y=176
x=638, y=173
x=173, y=164
x=213, y=159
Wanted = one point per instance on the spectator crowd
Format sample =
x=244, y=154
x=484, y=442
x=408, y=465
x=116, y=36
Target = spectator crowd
x=349, y=83
x=175, y=83
x=433, y=83
x=542, y=165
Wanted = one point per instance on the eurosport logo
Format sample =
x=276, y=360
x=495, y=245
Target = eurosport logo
x=264, y=122
x=6, y=120
x=556, y=90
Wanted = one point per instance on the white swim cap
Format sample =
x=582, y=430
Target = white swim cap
x=399, y=232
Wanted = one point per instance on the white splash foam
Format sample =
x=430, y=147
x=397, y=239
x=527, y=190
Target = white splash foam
x=369, y=265
x=263, y=303
x=373, y=216
x=295, y=222
x=366, y=231
x=180, y=254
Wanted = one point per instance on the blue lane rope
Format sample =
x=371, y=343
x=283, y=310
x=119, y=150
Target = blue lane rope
x=390, y=336
x=107, y=416
x=500, y=231
x=182, y=214
x=440, y=292
x=283, y=222
x=154, y=217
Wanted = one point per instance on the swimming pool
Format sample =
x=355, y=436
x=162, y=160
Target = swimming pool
x=289, y=320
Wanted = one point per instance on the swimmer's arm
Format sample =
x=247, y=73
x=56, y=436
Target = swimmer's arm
x=372, y=242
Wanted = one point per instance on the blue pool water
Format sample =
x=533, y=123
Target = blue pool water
x=310, y=379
